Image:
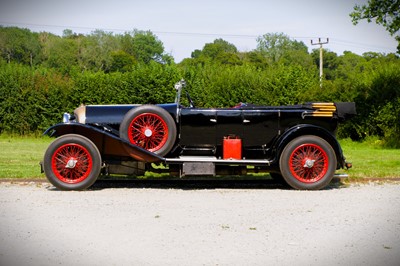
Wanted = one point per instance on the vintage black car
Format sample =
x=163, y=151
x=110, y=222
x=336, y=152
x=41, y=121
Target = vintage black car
x=296, y=143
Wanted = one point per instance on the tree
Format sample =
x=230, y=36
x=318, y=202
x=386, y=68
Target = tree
x=276, y=46
x=218, y=47
x=19, y=45
x=143, y=45
x=196, y=53
x=351, y=67
x=385, y=13
x=219, y=51
x=95, y=50
x=255, y=58
x=121, y=61
x=330, y=63
x=62, y=54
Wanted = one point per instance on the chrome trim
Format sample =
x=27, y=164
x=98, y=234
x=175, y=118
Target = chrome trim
x=211, y=159
x=66, y=118
x=341, y=175
x=178, y=87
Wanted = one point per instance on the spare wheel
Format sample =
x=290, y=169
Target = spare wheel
x=149, y=127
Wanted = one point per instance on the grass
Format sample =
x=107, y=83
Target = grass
x=20, y=157
x=370, y=160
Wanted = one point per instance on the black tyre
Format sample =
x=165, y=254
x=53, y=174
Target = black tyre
x=72, y=162
x=308, y=163
x=149, y=127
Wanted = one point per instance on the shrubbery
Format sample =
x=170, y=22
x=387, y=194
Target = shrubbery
x=33, y=99
x=36, y=90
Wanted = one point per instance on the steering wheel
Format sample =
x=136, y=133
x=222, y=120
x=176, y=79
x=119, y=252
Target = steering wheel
x=191, y=104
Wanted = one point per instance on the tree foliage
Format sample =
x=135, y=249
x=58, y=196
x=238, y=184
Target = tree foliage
x=20, y=45
x=276, y=46
x=98, y=51
x=144, y=46
x=219, y=51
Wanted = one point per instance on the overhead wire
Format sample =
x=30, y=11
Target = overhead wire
x=336, y=41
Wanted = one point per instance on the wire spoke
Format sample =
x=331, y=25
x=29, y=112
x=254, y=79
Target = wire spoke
x=82, y=167
x=308, y=163
x=140, y=128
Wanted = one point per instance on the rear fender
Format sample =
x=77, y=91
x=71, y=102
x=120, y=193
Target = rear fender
x=306, y=129
x=107, y=143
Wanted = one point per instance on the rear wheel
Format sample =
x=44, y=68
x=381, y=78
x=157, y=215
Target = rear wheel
x=149, y=127
x=72, y=162
x=308, y=162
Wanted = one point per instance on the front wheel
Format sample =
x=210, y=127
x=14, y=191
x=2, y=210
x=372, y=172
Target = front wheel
x=72, y=162
x=308, y=163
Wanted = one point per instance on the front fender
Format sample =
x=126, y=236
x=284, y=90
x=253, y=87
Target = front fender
x=307, y=129
x=107, y=143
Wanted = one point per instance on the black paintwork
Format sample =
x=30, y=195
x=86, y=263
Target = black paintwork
x=113, y=114
x=264, y=130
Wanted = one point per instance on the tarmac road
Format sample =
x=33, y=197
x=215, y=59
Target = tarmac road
x=131, y=224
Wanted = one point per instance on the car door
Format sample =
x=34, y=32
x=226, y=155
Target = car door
x=229, y=122
x=260, y=126
x=198, y=127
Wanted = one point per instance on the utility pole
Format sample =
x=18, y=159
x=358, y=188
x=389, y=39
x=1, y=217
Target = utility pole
x=321, y=62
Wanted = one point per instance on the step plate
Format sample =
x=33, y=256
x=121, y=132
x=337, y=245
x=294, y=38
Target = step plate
x=197, y=169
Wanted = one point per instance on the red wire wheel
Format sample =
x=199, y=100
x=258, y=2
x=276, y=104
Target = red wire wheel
x=149, y=127
x=308, y=162
x=148, y=131
x=71, y=163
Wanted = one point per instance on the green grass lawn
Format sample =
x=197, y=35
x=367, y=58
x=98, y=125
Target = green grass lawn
x=20, y=157
x=370, y=160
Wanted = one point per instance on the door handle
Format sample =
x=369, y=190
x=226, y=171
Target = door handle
x=245, y=121
x=213, y=120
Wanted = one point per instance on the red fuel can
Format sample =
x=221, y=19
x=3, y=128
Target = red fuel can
x=232, y=148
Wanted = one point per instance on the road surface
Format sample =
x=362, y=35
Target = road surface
x=128, y=224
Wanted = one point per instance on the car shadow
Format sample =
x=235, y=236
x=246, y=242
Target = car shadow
x=198, y=184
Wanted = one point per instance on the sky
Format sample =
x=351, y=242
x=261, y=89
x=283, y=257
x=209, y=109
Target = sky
x=184, y=26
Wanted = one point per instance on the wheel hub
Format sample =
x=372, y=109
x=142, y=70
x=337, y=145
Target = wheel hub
x=71, y=163
x=148, y=132
x=309, y=163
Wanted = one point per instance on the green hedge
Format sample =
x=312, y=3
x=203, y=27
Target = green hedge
x=32, y=99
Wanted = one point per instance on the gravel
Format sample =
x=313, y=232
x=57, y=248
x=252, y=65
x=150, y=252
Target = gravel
x=124, y=225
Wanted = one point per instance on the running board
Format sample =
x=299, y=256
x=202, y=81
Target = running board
x=211, y=159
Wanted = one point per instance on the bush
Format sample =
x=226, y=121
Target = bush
x=381, y=105
x=31, y=100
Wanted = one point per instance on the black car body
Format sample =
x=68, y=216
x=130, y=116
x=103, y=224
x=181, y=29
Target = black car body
x=295, y=142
